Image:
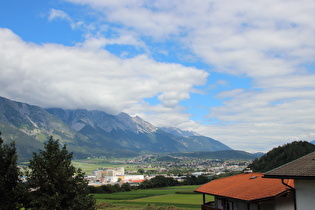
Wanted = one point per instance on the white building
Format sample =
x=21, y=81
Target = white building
x=115, y=175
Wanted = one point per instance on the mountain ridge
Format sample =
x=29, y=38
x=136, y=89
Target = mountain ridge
x=97, y=133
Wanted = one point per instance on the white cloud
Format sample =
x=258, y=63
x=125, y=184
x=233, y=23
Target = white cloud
x=267, y=117
x=58, y=14
x=271, y=42
x=77, y=77
x=55, y=14
x=257, y=39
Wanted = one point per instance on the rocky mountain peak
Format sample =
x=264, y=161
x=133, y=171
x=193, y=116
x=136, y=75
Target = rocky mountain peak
x=179, y=132
x=95, y=132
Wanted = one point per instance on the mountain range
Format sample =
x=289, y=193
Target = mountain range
x=94, y=133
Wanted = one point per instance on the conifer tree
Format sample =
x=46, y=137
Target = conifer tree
x=55, y=183
x=9, y=176
x=281, y=155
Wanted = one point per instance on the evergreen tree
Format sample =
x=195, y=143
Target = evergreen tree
x=281, y=155
x=193, y=180
x=9, y=176
x=158, y=181
x=55, y=183
x=126, y=187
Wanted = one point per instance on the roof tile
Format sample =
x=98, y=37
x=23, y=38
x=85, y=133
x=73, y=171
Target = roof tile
x=246, y=186
x=303, y=167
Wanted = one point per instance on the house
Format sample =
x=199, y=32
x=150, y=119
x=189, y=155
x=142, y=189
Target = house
x=248, y=191
x=302, y=171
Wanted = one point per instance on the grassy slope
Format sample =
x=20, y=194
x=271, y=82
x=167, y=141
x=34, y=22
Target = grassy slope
x=179, y=196
x=88, y=166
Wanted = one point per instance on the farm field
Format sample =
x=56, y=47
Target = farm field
x=88, y=166
x=181, y=197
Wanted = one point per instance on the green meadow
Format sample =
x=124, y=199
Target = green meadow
x=181, y=197
x=90, y=165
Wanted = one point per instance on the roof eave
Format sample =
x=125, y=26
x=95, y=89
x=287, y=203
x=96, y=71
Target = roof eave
x=270, y=197
x=250, y=201
x=289, y=177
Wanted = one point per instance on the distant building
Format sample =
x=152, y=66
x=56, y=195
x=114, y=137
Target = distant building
x=113, y=175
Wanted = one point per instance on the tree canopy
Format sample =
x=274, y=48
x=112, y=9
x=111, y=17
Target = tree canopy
x=281, y=155
x=54, y=182
x=9, y=176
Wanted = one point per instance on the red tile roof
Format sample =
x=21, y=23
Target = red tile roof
x=138, y=180
x=246, y=186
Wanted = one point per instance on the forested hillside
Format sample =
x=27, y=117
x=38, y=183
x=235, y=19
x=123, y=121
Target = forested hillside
x=281, y=155
x=222, y=154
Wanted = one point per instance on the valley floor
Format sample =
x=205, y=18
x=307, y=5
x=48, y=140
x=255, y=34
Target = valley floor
x=181, y=197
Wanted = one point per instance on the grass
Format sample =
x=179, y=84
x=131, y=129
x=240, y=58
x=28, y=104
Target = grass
x=90, y=165
x=178, y=196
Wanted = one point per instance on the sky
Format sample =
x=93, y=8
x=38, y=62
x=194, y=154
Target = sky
x=240, y=72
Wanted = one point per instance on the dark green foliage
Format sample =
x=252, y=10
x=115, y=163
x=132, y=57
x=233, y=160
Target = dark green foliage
x=167, y=158
x=141, y=171
x=196, y=180
x=93, y=189
x=106, y=189
x=55, y=183
x=126, y=187
x=111, y=188
x=158, y=181
x=281, y=155
x=9, y=177
x=222, y=154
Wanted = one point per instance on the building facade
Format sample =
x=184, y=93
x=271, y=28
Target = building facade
x=302, y=171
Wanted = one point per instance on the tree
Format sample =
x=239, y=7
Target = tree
x=55, y=183
x=141, y=171
x=9, y=176
x=281, y=155
x=158, y=181
x=126, y=187
x=196, y=180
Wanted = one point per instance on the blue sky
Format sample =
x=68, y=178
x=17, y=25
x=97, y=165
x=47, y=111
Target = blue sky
x=239, y=73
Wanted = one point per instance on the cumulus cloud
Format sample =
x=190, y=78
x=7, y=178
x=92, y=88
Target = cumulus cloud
x=53, y=75
x=270, y=42
x=267, y=41
x=258, y=39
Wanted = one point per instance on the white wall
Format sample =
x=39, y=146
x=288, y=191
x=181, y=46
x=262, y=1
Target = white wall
x=133, y=177
x=305, y=194
x=278, y=203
